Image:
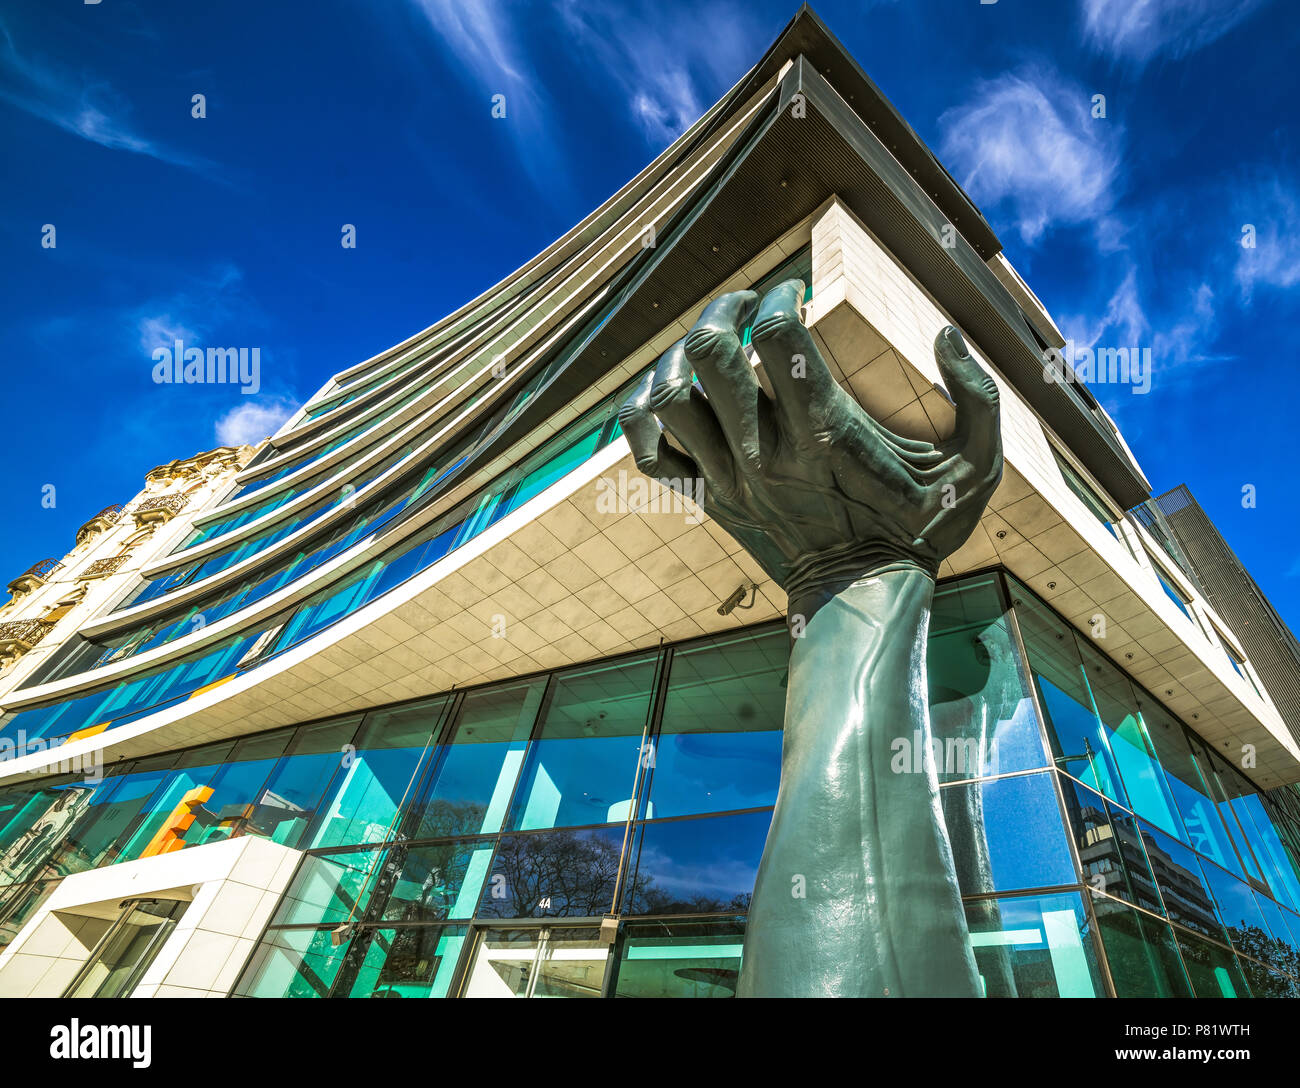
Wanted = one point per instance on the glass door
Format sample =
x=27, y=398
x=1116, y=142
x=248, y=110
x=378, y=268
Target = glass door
x=124, y=953
x=566, y=961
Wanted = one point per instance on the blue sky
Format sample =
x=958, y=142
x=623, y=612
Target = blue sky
x=225, y=230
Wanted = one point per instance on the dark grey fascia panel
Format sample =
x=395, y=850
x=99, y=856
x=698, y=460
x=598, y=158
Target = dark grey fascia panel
x=968, y=289
x=780, y=171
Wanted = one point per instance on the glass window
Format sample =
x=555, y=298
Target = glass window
x=554, y=874
x=1006, y=833
x=415, y=961
x=293, y=963
x=125, y=952
x=1269, y=849
x=680, y=959
x=1118, y=708
x=41, y=823
x=432, y=883
x=1084, y=491
x=1239, y=911
x=1201, y=825
x=719, y=746
x=1110, y=850
x=1140, y=951
x=232, y=808
x=1183, y=889
x=1225, y=786
x=473, y=782
x=981, y=713
x=331, y=888
x=1080, y=744
x=112, y=814
x=293, y=791
x=1266, y=982
x=583, y=768
x=378, y=777
x=698, y=866
x=163, y=825
x=538, y=963
x=1213, y=970
x=1034, y=946
x=17, y=905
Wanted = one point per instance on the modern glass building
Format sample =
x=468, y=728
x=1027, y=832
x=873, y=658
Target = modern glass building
x=440, y=698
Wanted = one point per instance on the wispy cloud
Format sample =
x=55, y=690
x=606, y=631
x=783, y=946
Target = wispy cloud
x=210, y=304
x=1272, y=210
x=1122, y=322
x=669, y=73
x=1138, y=30
x=91, y=110
x=1027, y=142
x=249, y=423
x=483, y=38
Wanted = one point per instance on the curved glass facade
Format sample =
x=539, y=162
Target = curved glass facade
x=151, y=690
x=469, y=844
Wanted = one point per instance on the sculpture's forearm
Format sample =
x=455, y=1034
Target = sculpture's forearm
x=856, y=894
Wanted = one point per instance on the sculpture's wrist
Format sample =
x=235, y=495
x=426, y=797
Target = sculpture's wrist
x=818, y=578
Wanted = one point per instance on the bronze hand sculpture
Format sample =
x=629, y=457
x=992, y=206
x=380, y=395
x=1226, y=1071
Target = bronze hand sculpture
x=856, y=894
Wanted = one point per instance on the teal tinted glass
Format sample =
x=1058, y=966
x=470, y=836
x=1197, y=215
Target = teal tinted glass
x=1007, y=833
x=380, y=775
x=981, y=712
x=1212, y=969
x=293, y=963
x=476, y=775
x=1184, y=891
x=583, y=768
x=1080, y=741
x=719, y=746
x=680, y=959
x=1034, y=946
x=415, y=962
x=1140, y=952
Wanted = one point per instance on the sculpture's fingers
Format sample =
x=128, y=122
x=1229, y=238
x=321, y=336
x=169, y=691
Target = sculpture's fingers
x=688, y=416
x=870, y=472
x=975, y=395
x=713, y=349
x=650, y=449
x=807, y=395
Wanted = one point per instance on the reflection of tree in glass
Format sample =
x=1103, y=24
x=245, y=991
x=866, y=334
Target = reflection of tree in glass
x=1253, y=941
x=448, y=819
x=645, y=898
x=556, y=874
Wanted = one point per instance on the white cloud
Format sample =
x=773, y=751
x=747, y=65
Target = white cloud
x=162, y=330
x=483, y=38
x=1273, y=210
x=251, y=422
x=1185, y=340
x=1027, y=140
x=1124, y=324
x=668, y=72
x=92, y=111
x=1138, y=30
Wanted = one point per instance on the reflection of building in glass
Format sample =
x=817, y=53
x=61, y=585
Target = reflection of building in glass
x=467, y=714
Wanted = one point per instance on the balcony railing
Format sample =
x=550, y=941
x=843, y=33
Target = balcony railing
x=34, y=577
x=101, y=521
x=159, y=509
x=19, y=636
x=102, y=567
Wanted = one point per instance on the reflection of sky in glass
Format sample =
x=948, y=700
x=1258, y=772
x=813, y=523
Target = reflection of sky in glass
x=714, y=858
x=1022, y=828
x=696, y=773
